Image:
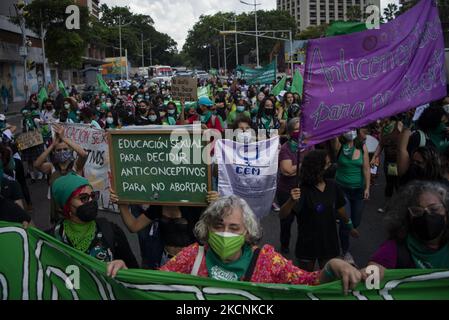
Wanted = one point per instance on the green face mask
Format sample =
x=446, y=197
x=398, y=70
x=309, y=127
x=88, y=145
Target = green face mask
x=225, y=244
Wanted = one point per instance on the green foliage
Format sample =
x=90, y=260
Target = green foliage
x=313, y=32
x=64, y=47
x=205, y=33
x=163, y=47
x=353, y=13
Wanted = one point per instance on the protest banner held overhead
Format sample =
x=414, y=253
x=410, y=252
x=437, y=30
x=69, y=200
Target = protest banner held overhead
x=353, y=80
x=264, y=75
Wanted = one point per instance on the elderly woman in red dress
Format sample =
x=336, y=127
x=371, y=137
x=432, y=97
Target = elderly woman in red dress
x=228, y=232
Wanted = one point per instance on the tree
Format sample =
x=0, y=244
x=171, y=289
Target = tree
x=313, y=32
x=163, y=47
x=64, y=47
x=205, y=37
x=391, y=11
x=353, y=13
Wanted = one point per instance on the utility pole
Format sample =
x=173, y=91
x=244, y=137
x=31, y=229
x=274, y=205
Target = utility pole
x=210, y=57
x=143, y=57
x=120, y=36
x=257, y=35
x=126, y=67
x=224, y=51
x=43, y=34
x=236, y=44
x=23, y=50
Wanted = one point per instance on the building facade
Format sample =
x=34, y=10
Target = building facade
x=317, y=12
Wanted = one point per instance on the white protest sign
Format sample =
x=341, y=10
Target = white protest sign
x=249, y=171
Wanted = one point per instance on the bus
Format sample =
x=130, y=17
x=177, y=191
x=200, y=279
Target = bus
x=160, y=73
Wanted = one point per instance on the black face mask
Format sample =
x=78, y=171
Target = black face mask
x=428, y=227
x=269, y=112
x=88, y=211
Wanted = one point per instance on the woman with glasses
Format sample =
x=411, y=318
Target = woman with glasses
x=82, y=230
x=418, y=229
x=61, y=162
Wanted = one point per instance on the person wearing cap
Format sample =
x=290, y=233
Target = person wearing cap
x=209, y=118
x=84, y=231
x=62, y=162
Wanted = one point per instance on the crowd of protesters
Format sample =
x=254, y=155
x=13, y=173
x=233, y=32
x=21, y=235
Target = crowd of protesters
x=324, y=187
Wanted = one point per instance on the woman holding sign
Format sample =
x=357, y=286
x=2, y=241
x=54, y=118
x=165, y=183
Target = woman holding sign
x=175, y=224
x=228, y=232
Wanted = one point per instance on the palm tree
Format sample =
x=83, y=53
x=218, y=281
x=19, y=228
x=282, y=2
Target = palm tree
x=391, y=11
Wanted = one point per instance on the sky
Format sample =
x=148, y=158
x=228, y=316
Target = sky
x=177, y=17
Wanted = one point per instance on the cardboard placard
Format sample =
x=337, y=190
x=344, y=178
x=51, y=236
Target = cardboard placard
x=184, y=87
x=29, y=139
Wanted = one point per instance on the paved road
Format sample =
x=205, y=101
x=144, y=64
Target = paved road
x=371, y=230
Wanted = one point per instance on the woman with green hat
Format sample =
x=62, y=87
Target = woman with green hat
x=82, y=230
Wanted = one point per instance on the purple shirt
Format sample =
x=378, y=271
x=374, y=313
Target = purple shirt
x=286, y=184
x=386, y=255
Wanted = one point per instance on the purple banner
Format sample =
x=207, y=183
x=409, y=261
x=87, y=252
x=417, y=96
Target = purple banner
x=356, y=79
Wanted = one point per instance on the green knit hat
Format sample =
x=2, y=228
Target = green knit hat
x=64, y=186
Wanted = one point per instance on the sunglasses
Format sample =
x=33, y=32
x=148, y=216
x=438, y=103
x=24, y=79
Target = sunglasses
x=86, y=197
x=435, y=209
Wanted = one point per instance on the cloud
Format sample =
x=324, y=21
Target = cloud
x=177, y=17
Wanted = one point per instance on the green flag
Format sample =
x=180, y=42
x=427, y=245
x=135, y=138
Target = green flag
x=298, y=83
x=42, y=96
x=62, y=89
x=279, y=87
x=203, y=92
x=102, y=84
x=344, y=27
x=265, y=75
x=36, y=266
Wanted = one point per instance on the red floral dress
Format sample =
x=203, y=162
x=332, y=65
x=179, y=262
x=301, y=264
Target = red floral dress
x=271, y=267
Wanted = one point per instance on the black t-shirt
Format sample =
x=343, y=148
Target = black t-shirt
x=316, y=214
x=11, y=189
x=176, y=232
x=11, y=212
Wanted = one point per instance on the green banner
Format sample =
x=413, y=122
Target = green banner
x=36, y=266
x=265, y=75
x=344, y=27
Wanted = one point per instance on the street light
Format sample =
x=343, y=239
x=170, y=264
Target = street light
x=120, y=36
x=257, y=34
x=236, y=40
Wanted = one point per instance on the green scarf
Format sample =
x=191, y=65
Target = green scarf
x=388, y=128
x=293, y=145
x=171, y=121
x=80, y=235
x=438, y=138
x=206, y=117
x=426, y=258
x=348, y=151
x=233, y=271
x=266, y=122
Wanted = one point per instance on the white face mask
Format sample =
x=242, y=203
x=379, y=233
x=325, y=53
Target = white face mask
x=244, y=137
x=152, y=118
x=66, y=106
x=109, y=104
x=109, y=120
x=171, y=112
x=351, y=135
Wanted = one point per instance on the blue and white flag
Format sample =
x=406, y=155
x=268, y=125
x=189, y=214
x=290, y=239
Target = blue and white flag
x=249, y=171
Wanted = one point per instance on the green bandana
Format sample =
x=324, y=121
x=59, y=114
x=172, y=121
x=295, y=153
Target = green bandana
x=293, y=145
x=80, y=235
x=233, y=271
x=348, y=151
x=425, y=258
x=389, y=128
x=266, y=122
x=206, y=117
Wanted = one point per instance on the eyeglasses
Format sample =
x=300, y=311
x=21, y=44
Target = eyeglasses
x=434, y=209
x=86, y=197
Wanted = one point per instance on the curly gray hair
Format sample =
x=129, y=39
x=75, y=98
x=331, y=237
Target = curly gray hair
x=291, y=126
x=397, y=215
x=222, y=208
